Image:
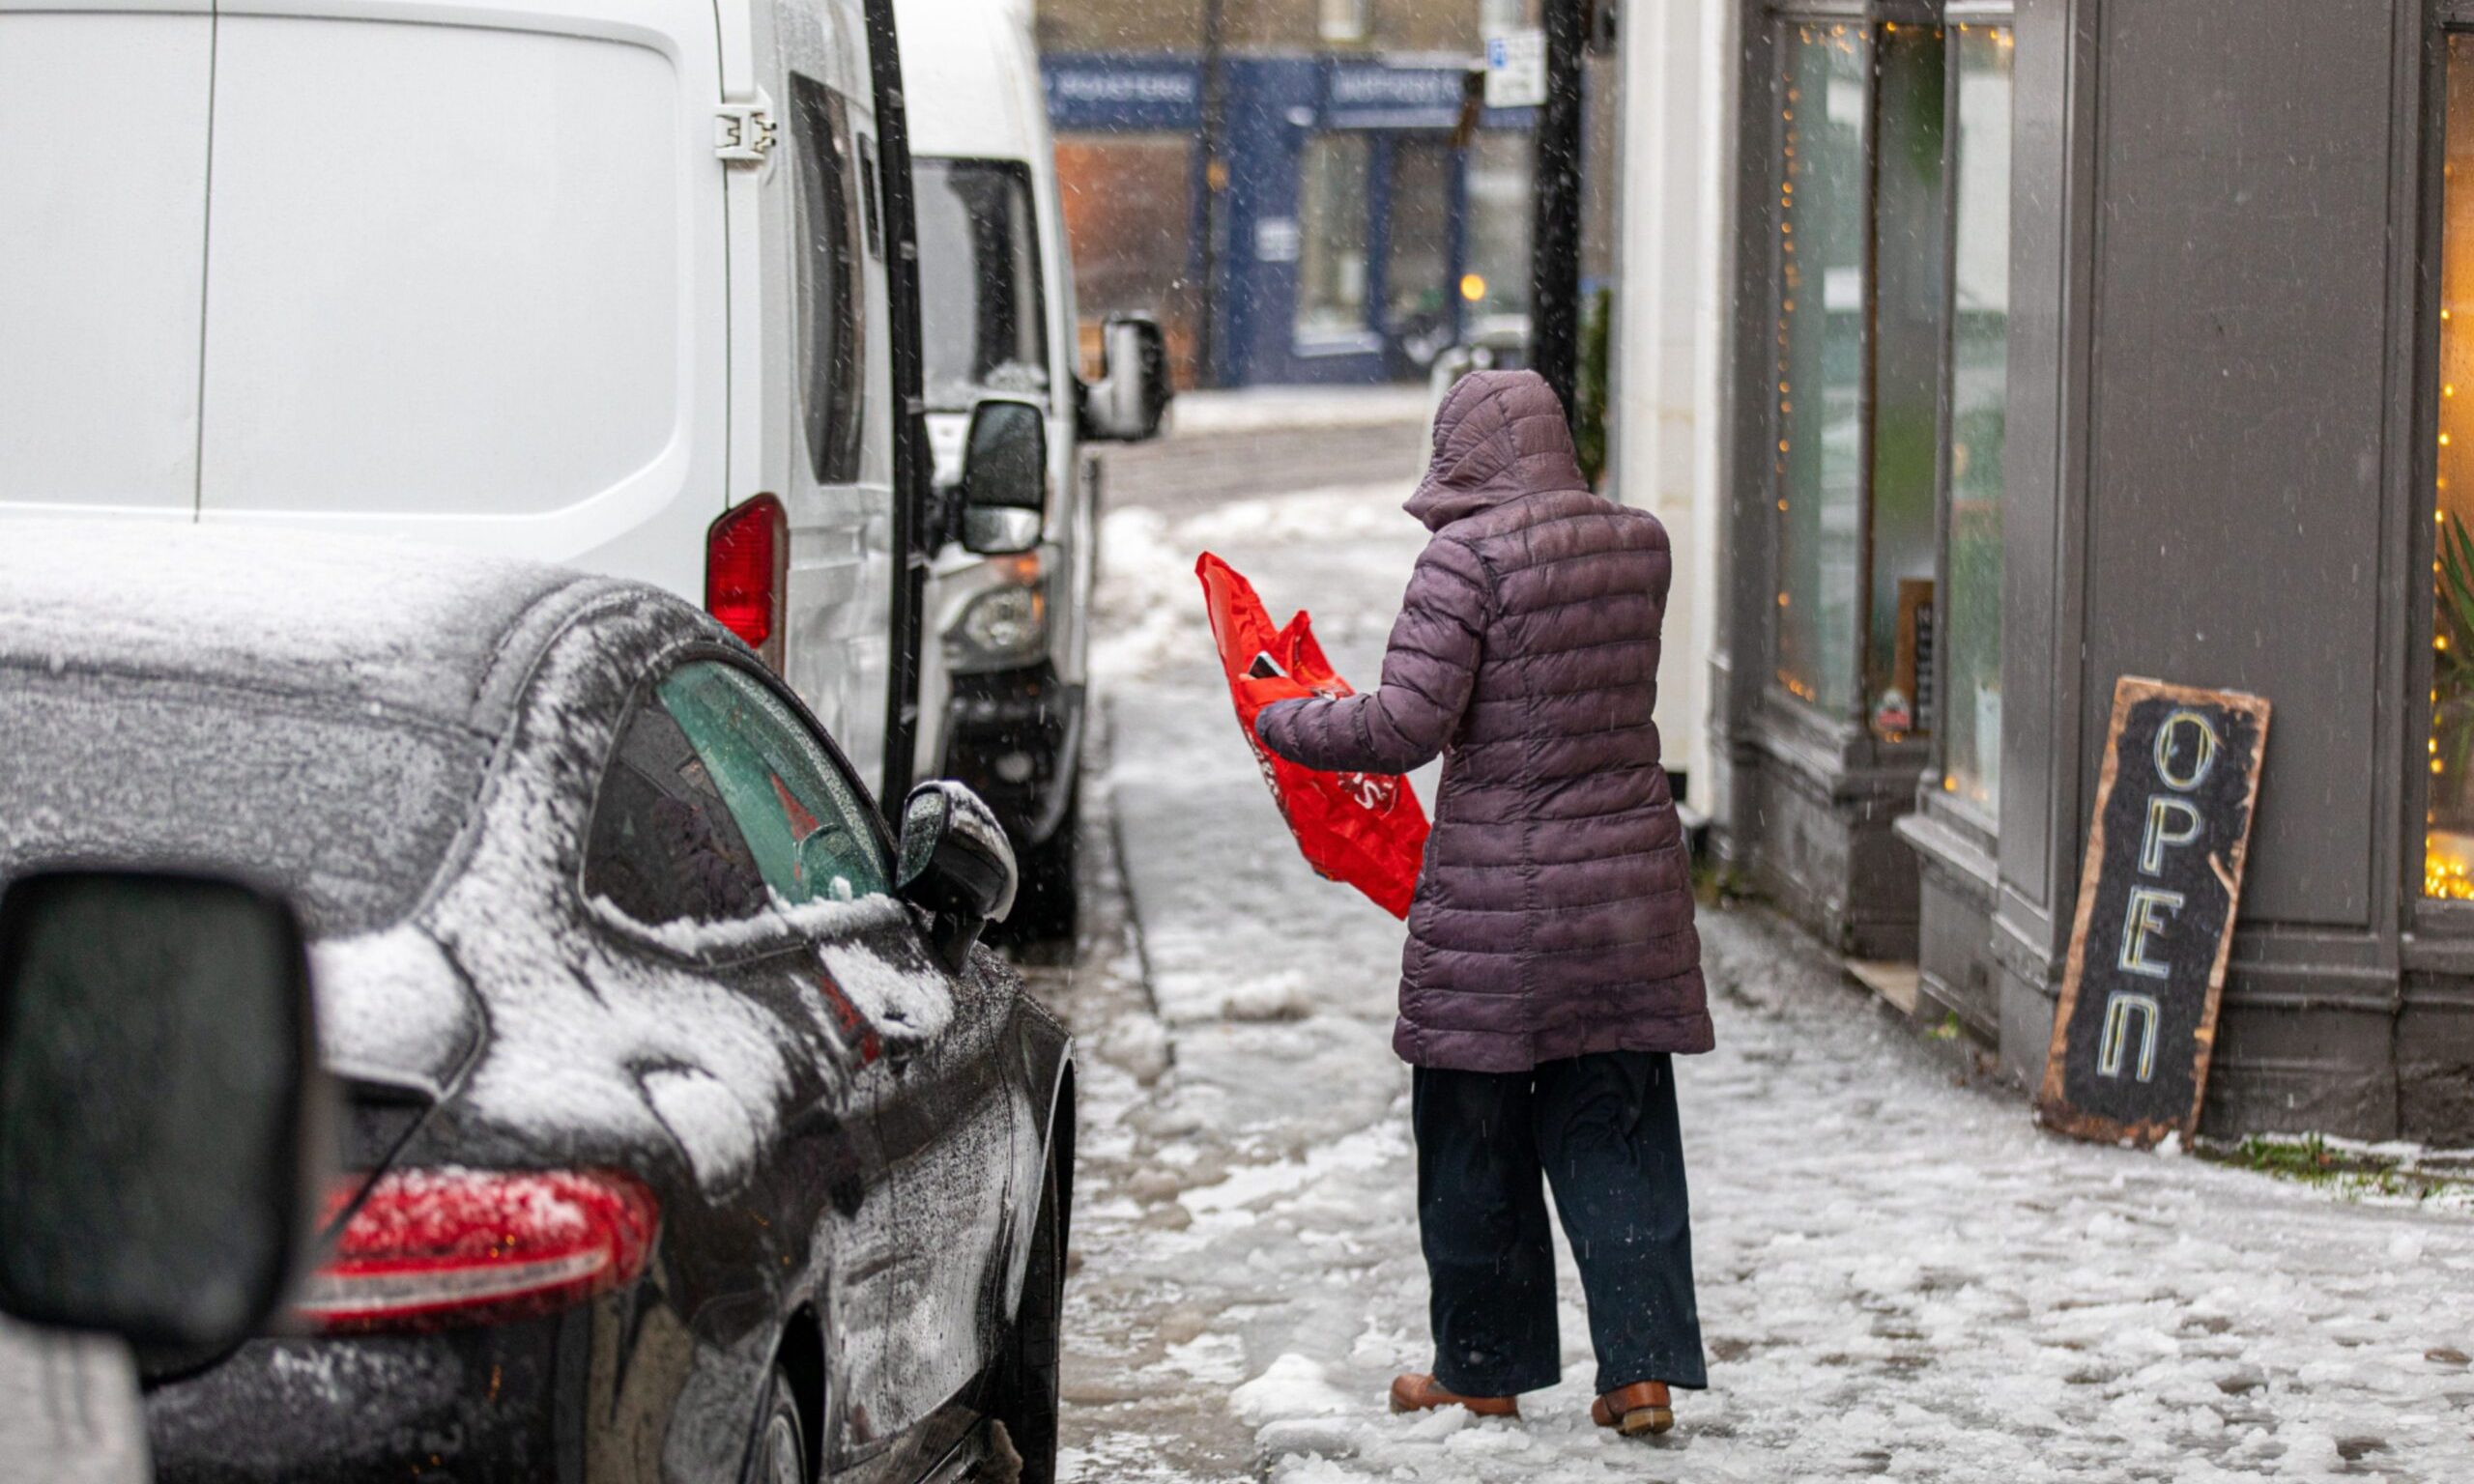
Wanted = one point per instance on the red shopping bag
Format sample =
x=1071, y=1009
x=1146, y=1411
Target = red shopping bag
x=1365, y=829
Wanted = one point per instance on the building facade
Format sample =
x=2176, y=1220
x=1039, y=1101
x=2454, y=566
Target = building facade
x=2045, y=343
x=1362, y=225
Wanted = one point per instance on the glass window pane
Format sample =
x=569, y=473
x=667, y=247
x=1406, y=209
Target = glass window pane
x=1129, y=216
x=2448, y=862
x=831, y=334
x=1417, y=309
x=1908, y=295
x=1331, y=222
x=1820, y=358
x=1495, y=281
x=663, y=846
x=806, y=824
x=983, y=317
x=1970, y=713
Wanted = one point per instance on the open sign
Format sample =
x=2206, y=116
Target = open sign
x=2157, y=898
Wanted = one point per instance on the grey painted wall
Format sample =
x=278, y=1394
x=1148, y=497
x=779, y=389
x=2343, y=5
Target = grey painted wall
x=2238, y=403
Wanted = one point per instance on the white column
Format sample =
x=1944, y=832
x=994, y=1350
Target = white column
x=1677, y=137
x=1715, y=51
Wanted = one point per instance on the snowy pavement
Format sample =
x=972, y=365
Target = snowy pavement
x=1280, y=408
x=1899, y=1274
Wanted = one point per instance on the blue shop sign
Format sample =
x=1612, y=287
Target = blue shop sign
x=1123, y=91
x=1375, y=95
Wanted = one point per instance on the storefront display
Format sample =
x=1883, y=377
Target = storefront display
x=1970, y=772
x=2092, y=341
x=1365, y=228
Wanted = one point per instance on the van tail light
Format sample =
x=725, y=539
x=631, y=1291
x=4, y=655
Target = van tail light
x=434, y=1249
x=747, y=554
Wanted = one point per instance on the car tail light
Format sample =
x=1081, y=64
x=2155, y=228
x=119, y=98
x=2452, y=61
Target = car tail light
x=746, y=557
x=429, y=1249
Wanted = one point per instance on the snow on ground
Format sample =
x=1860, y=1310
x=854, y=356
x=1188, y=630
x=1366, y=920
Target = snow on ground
x=1255, y=409
x=1899, y=1274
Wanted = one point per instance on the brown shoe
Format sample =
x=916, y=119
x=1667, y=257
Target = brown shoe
x=1422, y=1394
x=1642, y=1407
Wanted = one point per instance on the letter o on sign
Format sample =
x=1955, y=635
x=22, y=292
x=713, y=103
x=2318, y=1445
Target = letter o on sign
x=2203, y=751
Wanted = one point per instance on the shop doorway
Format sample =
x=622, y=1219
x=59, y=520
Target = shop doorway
x=1421, y=307
x=1381, y=239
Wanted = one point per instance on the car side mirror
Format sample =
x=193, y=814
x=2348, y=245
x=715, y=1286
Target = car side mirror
x=1132, y=394
x=955, y=863
x=1004, y=476
x=160, y=1106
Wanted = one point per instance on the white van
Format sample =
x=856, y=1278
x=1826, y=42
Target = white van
x=620, y=283
x=1010, y=632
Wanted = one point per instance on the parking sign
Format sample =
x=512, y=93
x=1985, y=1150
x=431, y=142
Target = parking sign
x=1517, y=69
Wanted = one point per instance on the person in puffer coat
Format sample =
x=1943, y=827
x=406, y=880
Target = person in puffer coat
x=1552, y=970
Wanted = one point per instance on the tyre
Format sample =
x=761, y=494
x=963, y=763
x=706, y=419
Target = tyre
x=1048, y=907
x=781, y=1455
x=1027, y=1380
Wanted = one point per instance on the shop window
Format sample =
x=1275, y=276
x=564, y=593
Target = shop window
x=1970, y=709
x=1908, y=292
x=1819, y=279
x=1494, y=278
x=2448, y=856
x=1129, y=215
x=1861, y=294
x=1332, y=238
x=1416, y=257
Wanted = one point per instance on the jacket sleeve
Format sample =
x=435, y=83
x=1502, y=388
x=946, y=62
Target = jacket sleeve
x=1429, y=670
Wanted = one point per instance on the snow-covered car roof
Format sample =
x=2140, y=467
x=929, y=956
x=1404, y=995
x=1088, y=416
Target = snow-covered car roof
x=350, y=618
x=317, y=711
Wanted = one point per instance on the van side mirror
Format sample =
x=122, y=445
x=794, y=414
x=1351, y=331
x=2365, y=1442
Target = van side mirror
x=955, y=863
x=159, y=1104
x=1132, y=394
x=1004, y=476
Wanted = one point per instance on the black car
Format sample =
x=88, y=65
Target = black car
x=691, y=1135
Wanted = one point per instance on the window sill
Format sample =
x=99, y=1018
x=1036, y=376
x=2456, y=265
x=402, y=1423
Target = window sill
x=1833, y=748
x=1951, y=849
x=2442, y=943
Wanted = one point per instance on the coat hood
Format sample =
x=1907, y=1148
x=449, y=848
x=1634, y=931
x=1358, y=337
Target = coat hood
x=1498, y=435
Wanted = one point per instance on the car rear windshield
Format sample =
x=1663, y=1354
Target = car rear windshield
x=982, y=310
x=351, y=812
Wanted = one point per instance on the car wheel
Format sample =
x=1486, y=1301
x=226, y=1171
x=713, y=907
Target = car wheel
x=780, y=1448
x=1049, y=906
x=1026, y=1391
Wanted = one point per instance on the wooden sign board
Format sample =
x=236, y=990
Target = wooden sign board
x=2157, y=898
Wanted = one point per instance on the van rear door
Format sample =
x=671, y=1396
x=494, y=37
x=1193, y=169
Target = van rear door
x=102, y=252
x=467, y=279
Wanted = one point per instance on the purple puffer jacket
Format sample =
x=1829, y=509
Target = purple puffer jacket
x=1554, y=915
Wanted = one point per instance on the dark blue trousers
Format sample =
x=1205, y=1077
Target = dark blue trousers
x=1602, y=1129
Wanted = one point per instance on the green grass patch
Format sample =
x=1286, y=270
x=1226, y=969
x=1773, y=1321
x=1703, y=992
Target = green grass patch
x=2347, y=1171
